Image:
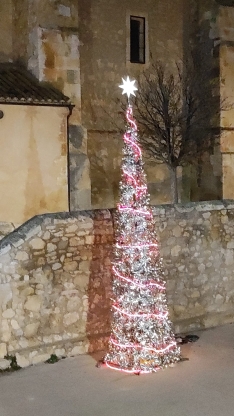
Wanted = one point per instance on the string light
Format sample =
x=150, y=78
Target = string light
x=141, y=315
x=141, y=339
x=141, y=285
x=139, y=246
x=135, y=211
x=127, y=371
x=128, y=139
x=157, y=350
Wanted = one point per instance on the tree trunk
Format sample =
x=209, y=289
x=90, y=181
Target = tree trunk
x=174, y=186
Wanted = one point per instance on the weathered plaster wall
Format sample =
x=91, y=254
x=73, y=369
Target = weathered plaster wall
x=55, y=277
x=33, y=163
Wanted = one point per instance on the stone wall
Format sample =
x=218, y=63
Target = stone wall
x=55, y=286
x=197, y=245
x=55, y=274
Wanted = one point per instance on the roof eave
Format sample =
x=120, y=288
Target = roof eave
x=33, y=103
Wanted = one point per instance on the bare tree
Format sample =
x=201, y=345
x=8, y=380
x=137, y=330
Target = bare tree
x=177, y=112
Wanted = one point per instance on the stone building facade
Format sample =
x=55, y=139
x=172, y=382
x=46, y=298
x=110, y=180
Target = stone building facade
x=83, y=48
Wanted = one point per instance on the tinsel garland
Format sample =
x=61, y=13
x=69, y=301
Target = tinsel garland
x=141, y=338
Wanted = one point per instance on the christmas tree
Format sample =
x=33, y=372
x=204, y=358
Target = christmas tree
x=141, y=338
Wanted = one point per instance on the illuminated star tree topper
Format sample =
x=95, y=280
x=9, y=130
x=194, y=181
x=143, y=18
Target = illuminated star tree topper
x=128, y=87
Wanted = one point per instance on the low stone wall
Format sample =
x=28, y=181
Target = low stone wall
x=197, y=246
x=55, y=277
x=55, y=286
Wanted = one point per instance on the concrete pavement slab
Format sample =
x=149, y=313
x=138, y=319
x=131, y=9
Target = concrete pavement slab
x=202, y=386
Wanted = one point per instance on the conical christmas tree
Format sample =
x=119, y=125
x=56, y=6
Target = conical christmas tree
x=141, y=335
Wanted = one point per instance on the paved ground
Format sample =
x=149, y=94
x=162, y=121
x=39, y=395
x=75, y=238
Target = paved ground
x=202, y=386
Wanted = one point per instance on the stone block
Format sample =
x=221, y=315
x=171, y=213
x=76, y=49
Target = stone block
x=71, y=266
x=70, y=318
x=15, y=324
x=5, y=249
x=22, y=256
x=56, y=266
x=89, y=239
x=8, y=313
x=3, y=350
x=73, y=304
x=31, y=329
x=33, y=303
x=22, y=361
x=176, y=250
x=4, y=364
x=60, y=352
x=82, y=281
x=84, y=266
x=27, y=291
x=177, y=231
x=75, y=241
x=80, y=349
x=72, y=228
x=6, y=331
x=46, y=235
x=40, y=358
x=37, y=244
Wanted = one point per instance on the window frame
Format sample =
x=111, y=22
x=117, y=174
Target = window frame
x=138, y=15
x=141, y=40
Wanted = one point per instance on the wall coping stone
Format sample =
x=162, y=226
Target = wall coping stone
x=30, y=227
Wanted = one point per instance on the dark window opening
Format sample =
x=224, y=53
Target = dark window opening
x=137, y=39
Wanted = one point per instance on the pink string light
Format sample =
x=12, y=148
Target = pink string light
x=134, y=210
x=143, y=286
x=141, y=315
x=161, y=350
x=140, y=246
x=130, y=119
x=140, y=190
x=135, y=183
x=122, y=357
x=113, y=367
x=128, y=139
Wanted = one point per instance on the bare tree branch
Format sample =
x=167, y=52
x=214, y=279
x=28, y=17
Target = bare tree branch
x=176, y=110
